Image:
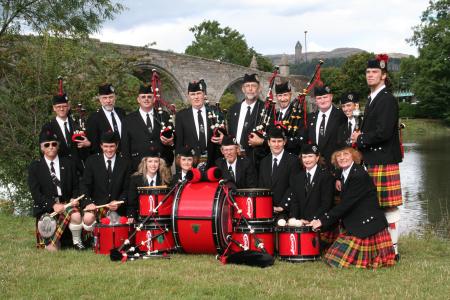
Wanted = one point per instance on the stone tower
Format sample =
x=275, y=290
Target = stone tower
x=284, y=66
x=298, y=52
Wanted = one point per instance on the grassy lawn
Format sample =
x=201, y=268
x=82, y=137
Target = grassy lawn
x=27, y=273
x=424, y=127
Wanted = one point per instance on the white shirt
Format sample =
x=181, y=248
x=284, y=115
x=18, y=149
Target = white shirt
x=375, y=93
x=319, y=120
x=283, y=112
x=149, y=180
x=242, y=115
x=278, y=157
x=57, y=171
x=353, y=121
x=312, y=172
x=183, y=175
x=113, y=160
x=62, y=127
x=116, y=116
x=144, y=116
x=346, y=172
x=205, y=122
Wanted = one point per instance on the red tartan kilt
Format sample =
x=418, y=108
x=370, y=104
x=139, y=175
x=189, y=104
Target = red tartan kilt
x=371, y=252
x=387, y=181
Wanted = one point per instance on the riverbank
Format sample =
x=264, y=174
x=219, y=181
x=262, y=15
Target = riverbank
x=28, y=273
x=416, y=128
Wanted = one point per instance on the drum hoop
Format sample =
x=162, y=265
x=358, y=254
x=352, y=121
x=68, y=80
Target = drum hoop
x=152, y=190
x=299, y=258
x=176, y=202
x=290, y=229
x=100, y=225
x=219, y=199
x=242, y=229
x=153, y=226
x=258, y=222
x=253, y=192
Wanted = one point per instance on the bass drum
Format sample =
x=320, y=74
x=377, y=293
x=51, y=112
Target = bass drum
x=201, y=218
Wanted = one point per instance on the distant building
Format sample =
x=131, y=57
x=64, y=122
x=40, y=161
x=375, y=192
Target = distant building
x=298, y=53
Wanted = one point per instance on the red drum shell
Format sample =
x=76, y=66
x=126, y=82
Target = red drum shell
x=242, y=235
x=163, y=243
x=150, y=197
x=298, y=244
x=256, y=204
x=201, y=218
x=107, y=237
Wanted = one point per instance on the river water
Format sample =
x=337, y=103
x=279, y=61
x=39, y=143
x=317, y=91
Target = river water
x=425, y=178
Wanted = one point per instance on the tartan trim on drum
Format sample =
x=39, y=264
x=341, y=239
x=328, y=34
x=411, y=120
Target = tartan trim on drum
x=387, y=180
x=61, y=224
x=372, y=252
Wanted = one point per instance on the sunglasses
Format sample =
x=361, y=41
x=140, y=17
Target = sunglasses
x=53, y=144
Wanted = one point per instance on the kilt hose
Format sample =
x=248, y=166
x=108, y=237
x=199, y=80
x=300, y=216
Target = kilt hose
x=61, y=223
x=387, y=181
x=372, y=252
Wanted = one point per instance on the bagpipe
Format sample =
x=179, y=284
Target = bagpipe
x=299, y=105
x=161, y=107
x=214, y=114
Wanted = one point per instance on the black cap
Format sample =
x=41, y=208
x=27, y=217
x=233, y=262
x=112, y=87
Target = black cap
x=60, y=99
x=151, y=152
x=277, y=133
x=47, y=135
x=229, y=140
x=106, y=89
x=321, y=90
x=109, y=137
x=380, y=62
x=186, y=151
x=145, y=89
x=283, y=88
x=349, y=97
x=310, y=149
x=251, y=78
x=196, y=86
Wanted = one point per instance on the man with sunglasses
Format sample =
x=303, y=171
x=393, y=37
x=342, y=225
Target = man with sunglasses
x=53, y=182
x=142, y=130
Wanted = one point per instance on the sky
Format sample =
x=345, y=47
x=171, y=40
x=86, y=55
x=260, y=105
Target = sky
x=271, y=27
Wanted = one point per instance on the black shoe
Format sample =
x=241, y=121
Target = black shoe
x=79, y=246
x=397, y=257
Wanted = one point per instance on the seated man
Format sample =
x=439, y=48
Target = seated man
x=238, y=170
x=53, y=182
x=105, y=180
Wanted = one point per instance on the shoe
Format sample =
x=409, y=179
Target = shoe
x=397, y=257
x=79, y=246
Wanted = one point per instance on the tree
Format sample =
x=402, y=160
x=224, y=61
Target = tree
x=224, y=44
x=432, y=37
x=61, y=17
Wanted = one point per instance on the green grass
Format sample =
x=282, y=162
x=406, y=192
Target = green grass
x=27, y=273
x=424, y=127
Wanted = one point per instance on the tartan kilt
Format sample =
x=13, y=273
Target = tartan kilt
x=327, y=238
x=387, y=180
x=61, y=224
x=371, y=252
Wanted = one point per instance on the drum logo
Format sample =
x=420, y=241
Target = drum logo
x=293, y=244
x=249, y=207
x=151, y=204
x=149, y=237
x=246, y=241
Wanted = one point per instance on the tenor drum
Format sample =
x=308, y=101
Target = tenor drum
x=201, y=218
x=249, y=241
x=298, y=244
x=256, y=205
x=107, y=237
x=150, y=197
x=155, y=237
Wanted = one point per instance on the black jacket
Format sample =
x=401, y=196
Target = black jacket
x=294, y=140
x=42, y=189
x=359, y=210
x=379, y=140
x=245, y=172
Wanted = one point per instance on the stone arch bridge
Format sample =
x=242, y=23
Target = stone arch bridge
x=181, y=69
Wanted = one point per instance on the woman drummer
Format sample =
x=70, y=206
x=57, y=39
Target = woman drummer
x=364, y=241
x=184, y=161
x=152, y=171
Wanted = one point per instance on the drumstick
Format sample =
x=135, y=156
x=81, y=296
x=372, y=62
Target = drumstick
x=67, y=205
x=101, y=206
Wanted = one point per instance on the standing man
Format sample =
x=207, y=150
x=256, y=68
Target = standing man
x=193, y=128
x=53, y=182
x=63, y=126
x=107, y=118
x=244, y=117
x=142, y=130
x=275, y=171
x=349, y=103
x=105, y=180
x=238, y=170
x=379, y=143
x=296, y=139
x=324, y=123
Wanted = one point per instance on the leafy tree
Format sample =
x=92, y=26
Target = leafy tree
x=224, y=44
x=61, y=17
x=432, y=76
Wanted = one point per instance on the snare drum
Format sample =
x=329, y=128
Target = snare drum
x=256, y=205
x=201, y=218
x=265, y=234
x=107, y=237
x=298, y=244
x=149, y=199
x=155, y=236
